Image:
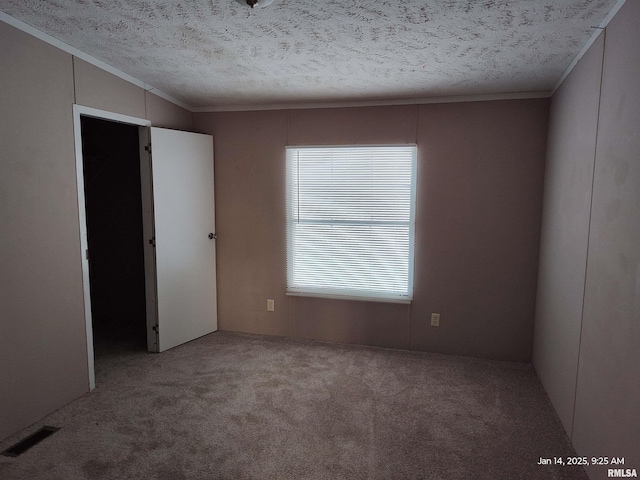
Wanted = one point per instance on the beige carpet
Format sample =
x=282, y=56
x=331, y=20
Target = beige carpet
x=233, y=406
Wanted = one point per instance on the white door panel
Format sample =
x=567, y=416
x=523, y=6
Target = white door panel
x=184, y=216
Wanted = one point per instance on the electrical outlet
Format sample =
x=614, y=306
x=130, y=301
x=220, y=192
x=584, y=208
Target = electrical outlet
x=271, y=305
x=435, y=319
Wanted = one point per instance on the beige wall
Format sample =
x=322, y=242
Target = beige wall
x=43, y=356
x=563, y=242
x=479, y=201
x=480, y=178
x=608, y=390
x=607, y=358
x=98, y=89
x=43, y=351
x=165, y=114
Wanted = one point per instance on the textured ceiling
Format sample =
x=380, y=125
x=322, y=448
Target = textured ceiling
x=217, y=52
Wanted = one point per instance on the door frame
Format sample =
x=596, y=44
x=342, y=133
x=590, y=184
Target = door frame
x=78, y=111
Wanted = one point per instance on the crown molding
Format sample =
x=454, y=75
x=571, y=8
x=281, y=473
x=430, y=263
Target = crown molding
x=375, y=103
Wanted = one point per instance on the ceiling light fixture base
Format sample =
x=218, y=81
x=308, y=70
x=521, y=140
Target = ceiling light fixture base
x=255, y=3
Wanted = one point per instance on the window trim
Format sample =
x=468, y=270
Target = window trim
x=374, y=296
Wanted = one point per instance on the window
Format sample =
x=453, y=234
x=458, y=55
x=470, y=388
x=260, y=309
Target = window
x=350, y=222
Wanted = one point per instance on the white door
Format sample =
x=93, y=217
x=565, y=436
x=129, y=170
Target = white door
x=181, y=303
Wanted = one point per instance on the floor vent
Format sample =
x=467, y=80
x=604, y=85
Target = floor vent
x=33, y=439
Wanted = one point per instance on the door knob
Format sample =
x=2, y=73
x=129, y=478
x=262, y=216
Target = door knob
x=213, y=236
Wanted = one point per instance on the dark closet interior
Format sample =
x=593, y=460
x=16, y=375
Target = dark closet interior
x=111, y=162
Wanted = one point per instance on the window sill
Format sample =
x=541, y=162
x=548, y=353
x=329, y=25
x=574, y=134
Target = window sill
x=404, y=301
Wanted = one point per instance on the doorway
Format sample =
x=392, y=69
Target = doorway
x=113, y=203
x=147, y=235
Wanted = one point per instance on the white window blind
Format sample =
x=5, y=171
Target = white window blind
x=350, y=222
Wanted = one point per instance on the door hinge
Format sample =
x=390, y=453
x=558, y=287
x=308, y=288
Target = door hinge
x=152, y=242
x=86, y=254
x=148, y=148
x=156, y=328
